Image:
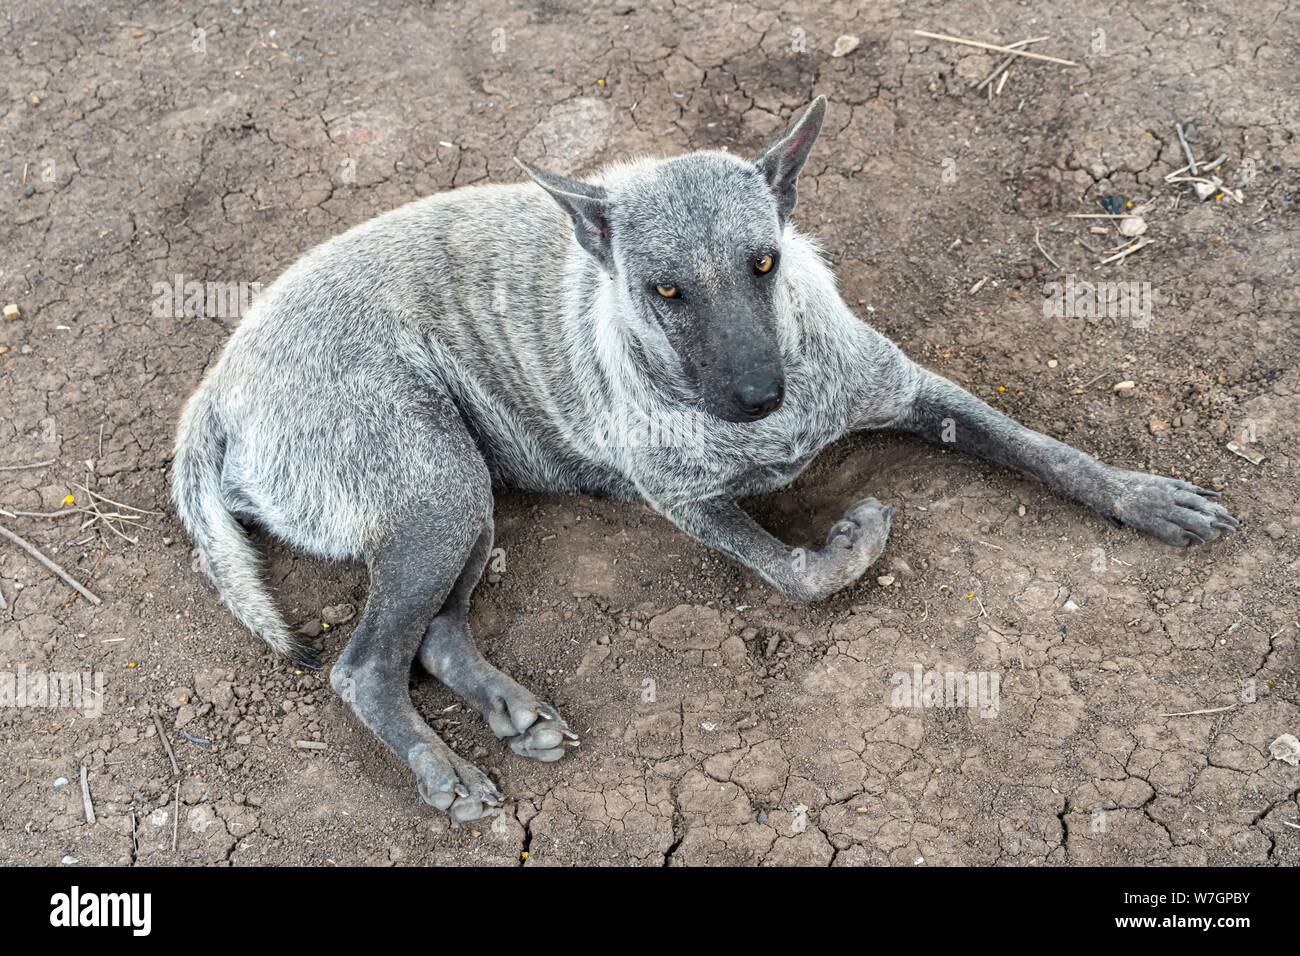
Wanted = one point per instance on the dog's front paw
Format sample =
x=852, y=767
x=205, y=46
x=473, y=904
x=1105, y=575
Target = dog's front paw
x=859, y=537
x=852, y=545
x=1177, y=512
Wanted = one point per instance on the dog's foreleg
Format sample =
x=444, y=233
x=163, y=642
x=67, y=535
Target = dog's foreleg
x=801, y=574
x=1175, y=511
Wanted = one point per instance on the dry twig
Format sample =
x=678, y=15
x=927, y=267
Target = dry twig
x=35, y=464
x=1006, y=61
x=86, y=803
x=50, y=565
x=167, y=744
x=1046, y=254
x=1187, y=150
x=1198, y=713
x=994, y=47
x=1140, y=244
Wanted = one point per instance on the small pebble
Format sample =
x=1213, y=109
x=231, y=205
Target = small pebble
x=1132, y=227
x=1286, y=748
x=178, y=697
x=338, y=614
x=845, y=45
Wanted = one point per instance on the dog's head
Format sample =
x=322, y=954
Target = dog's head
x=694, y=244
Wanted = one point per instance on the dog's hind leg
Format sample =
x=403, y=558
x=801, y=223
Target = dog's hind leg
x=533, y=728
x=411, y=575
x=416, y=555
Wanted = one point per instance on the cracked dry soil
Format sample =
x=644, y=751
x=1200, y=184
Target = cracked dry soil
x=720, y=724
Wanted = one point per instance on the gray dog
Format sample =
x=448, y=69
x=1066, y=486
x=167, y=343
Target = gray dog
x=660, y=333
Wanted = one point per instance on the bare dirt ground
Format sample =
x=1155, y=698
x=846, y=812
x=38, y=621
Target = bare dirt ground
x=721, y=724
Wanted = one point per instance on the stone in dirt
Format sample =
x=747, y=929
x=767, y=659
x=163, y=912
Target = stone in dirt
x=594, y=656
x=215, y=687
x=1246, y=452
x=593, y=576
x=689, y=627
x=178, y=697
x=1286, y=748
x=338, y=614
x=845, y=45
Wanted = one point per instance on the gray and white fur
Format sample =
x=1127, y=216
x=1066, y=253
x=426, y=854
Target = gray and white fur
x=545, y=336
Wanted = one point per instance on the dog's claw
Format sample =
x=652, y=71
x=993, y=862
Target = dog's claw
x=1175, y=511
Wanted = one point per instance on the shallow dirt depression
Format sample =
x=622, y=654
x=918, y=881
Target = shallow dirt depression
x=720, y=723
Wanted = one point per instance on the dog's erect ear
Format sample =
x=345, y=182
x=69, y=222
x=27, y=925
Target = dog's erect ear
x=587, y=206
x=782, y=161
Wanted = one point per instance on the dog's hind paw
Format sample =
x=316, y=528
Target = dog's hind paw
x=1177, y=512
x=452, y=784
x=535, y=730
x=546, y=740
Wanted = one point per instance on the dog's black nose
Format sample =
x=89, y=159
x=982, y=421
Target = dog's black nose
x=759, y=394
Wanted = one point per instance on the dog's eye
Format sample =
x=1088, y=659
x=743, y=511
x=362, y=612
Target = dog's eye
x=763, y=264
x=667, y=291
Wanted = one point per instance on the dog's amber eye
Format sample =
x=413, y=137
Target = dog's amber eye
x=667, y=291
x=763, y=264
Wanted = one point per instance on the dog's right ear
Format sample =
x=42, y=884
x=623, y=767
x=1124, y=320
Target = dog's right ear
x=587, y=206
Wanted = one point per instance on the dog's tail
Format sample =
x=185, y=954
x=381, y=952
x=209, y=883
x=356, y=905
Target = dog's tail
x=224, y=552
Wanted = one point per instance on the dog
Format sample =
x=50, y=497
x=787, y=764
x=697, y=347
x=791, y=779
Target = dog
x=375, y=393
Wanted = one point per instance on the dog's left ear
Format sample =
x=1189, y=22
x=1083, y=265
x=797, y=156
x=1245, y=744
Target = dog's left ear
x=587, y=206
x=781, y=162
